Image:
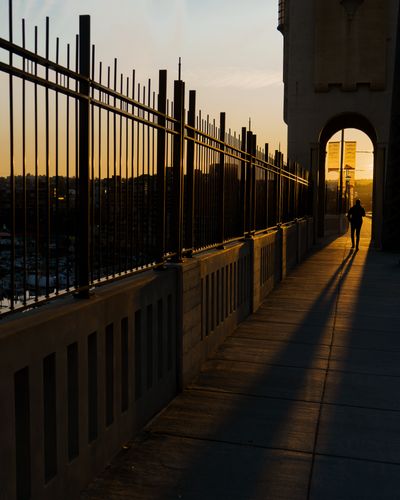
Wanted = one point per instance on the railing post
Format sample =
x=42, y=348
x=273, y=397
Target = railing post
x=179, y=137
x=266, y=186
x=83, y=254
x=243, y=178
x=297, y=212
x=12, y=164
x=161, y=165
x=221, y=215
x=249, y=181
x=189, y=237
x=278, y=163
x=283, y=188
x=253, y=185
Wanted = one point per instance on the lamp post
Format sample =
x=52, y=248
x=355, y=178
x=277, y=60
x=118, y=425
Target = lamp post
x=347, y=193
x=340, y=201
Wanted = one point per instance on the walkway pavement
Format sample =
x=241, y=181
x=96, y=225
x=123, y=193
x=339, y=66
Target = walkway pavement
x=302, y=402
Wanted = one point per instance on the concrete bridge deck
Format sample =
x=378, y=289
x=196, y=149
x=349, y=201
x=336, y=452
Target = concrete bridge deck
x=301, y=402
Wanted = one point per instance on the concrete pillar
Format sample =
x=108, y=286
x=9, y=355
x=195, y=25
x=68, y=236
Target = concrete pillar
x=378, y=194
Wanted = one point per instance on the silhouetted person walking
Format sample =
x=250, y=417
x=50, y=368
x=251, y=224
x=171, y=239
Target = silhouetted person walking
x=355, y=216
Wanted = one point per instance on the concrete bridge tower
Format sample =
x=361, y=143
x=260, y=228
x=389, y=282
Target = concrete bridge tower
x=342, y=70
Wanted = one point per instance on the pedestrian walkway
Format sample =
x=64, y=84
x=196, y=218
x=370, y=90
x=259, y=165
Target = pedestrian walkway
x=302, y=402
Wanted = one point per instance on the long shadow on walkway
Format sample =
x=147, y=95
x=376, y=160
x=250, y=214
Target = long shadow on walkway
x=247, y=428
x=359, y=439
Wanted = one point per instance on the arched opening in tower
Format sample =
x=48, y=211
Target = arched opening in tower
x=349, y=169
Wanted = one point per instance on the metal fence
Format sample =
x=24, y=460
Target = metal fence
x=102, y=177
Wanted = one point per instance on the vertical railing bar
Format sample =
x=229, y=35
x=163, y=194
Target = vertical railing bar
x=189, y=212
x=208, y=228
x=168, y=181
x=203, y=157
x=279, y=187
x=266, y=205
x=161, y=165
x=214, y=235
x=211, y=130
x=12, y=173
x=36, y=176
x=294, y=184
x=195, y=226
x=144, y=198
x=132, y=183
x=276, y=176
x=47, y=160
x=243, y=181
x=198, y=241
x=138, y=218
x=56, y=218
x=119, y=178
x=143, y=185
x=283, y=186
x=67, y=170
x=216, y=133
x=149, y=182
x=253, y=185
x=100, y=189
x=221, y=162
x=115, y=191
x=127, y=266
x=291, y=191
x=298, y=195
x=209, y=158
x=92, y=187
x=24, y=200
x=108, y=183
x=249, y=172
x=179, y=96
x=76, y=206
x=84, y=157
x=296, y=192
x=153, y=186
x=199, y=189
x=141, y=237
x=207, y=212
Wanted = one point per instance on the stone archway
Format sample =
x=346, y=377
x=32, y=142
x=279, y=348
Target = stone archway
x=355, y=121
x=341, y=70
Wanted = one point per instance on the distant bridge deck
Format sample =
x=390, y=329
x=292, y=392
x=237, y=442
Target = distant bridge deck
x=302, y=401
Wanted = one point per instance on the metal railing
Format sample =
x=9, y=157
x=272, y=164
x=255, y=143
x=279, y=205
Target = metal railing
x=103, y=177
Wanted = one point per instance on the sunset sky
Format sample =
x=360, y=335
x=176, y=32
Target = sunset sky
x=231, y=50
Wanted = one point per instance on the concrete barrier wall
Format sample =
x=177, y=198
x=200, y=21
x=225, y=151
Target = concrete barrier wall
x=216, y=298
x=78, y=378
x=276, y=253
x=311, y=233
x=303, y=239
x=267, y=251
x=335, y=225
x=290, y=244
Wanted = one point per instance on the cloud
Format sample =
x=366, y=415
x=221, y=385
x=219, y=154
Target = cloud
x=39, y=9
x=235, y=77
